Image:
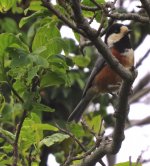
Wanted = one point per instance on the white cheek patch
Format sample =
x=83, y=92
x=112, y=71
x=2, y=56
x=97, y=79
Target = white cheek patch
x=128, y=52
x=113, y=38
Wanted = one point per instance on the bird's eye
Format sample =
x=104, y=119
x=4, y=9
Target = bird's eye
x=117, y=30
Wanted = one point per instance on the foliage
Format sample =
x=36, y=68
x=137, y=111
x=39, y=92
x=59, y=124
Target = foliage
x=41, y=73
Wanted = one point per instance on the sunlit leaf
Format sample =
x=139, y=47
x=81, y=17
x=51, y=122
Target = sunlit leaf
x=41, y=107
x=5, y=5
x=76, y=129
x=81, y=61
x=25, y=20
x=35, y=6
x=10, y=40
x=47, y=36
x=53, y=139
x=52, y=79
x=7, y=134
x=127, y=164
x=89, y=3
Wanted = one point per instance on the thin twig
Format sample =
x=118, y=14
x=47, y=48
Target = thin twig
x=142, y=59
x=134, y=98
x=72, y=136
x=101, y=162
x=92, y=19
x=84, y=124
x=129, y=16
x=101, y=25
x=130, y=161
x=88, y=8
x=69, y=158
x=15, y=146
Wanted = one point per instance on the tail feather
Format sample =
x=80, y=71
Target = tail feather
x=80, y=108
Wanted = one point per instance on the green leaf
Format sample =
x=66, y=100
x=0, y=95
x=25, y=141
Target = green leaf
x=37, y=59
x=10, y=40
x=5, y=5
x=45, y=127
x=35, y=6
x=53, y=48
x=7, y=148
x=19, y=58
x=52, y=79
x=94, y=122
x=47, y=36
x=19, y=86
x=72, y=47
x=76, y=129
x=30, y=133
x=58, y=64
x=41, y=107
x=25, y=20
x=7, y=134
x=88, y=14
x=53, y=139
x=81, y=61
x=89, y=3
x=127, y=164
x=5, y=25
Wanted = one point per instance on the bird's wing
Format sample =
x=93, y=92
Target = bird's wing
x=99, y=64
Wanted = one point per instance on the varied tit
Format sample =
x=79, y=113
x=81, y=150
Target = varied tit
x=103, y=78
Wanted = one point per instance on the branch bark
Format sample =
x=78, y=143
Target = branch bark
x=129, y=16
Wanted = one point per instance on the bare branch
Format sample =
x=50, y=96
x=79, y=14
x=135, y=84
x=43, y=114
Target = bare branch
x=144, y=121
x=138, y=95
x=129, y=16
x=92, y=9
x=142, y=59
x=142, y=83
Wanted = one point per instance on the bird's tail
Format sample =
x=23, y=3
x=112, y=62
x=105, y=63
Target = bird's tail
x=80, y=108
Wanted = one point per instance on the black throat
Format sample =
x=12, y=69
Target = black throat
x=123, y=44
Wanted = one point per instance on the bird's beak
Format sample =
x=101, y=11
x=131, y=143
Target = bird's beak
x=129, y=31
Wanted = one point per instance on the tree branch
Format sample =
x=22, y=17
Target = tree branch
x=15, y=146
x=139, y=95
x=142, y=59
x=129, y=16
x=73, y=137
x=49, y=6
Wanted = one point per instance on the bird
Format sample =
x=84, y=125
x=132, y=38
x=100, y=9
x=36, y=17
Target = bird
x=103, y=79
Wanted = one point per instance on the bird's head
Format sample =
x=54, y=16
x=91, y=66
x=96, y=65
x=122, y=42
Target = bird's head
x=117, y=32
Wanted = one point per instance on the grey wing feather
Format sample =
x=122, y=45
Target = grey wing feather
x=99, y=64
